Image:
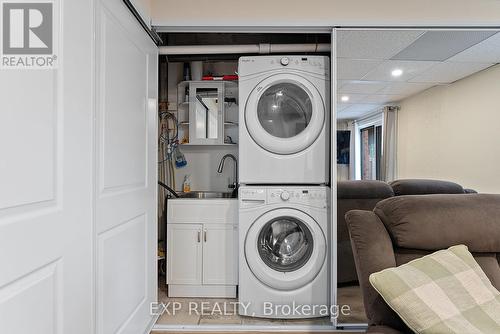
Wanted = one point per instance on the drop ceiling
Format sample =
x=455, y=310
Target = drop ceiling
x=366, y=59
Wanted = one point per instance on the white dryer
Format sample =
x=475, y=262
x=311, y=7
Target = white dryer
x=283, y=260
x=284, y=116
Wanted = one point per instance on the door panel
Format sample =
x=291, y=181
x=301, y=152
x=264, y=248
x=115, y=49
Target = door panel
x=184, y=253
x=125, y=171
x=333, y=176
x=220, y=254
x=46, y=186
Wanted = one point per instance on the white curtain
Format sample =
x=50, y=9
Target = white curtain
x=352, y=149
x=389, y=142
x=374, y=119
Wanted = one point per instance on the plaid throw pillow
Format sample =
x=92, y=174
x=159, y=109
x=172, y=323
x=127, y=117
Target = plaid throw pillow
x=444, y=292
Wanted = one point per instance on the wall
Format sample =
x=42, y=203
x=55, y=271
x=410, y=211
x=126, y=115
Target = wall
x=144, y=8
x=452, y=132
x=292, y=13
x=202, y=161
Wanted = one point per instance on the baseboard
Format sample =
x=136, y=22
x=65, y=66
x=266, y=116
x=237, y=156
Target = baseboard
x=202, y=291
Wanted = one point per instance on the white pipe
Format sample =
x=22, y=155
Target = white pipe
x=262, y=48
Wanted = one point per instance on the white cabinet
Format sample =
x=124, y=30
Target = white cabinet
x=208, y=113
x=184, y=241
x=202, y=248
x=220, y=264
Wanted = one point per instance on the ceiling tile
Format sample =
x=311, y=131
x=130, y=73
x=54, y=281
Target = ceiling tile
x=354, y=69
x=342, y=106
x=342, y=83
x=363, y=107
x=353, y=98
x=361, y=87
x=357, y=111
x=449, y=72
x=441, y=45
x=349, y=115
x=488, y=51
x=382, y=98
x=404, y=89
x=374, y=44
x=410, y=70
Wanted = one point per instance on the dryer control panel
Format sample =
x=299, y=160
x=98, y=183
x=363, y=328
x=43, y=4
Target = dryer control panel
x=261, y=64
x=309, y=196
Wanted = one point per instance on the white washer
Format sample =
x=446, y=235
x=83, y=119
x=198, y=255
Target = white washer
x=283, y=260
x=284, y=112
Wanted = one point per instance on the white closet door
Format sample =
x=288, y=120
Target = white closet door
x=125, y=171
x=333, y=176
x=46, y=186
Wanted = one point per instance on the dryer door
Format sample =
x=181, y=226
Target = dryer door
x=285, y=249
x=285, y=114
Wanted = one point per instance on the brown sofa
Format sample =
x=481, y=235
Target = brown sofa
x=426, y=187
x=364, y=195
x=404, y=228
x=352, y=195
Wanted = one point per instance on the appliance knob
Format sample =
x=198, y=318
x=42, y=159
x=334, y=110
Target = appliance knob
x=285, y=61
x=285, y=195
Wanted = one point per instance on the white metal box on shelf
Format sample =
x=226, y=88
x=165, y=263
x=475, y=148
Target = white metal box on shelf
x=208, y=112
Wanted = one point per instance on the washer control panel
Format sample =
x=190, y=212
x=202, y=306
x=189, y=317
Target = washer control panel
x=309, y=196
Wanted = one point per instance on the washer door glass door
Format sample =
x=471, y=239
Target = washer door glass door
x=285, y=244
x=285, y=114
x=285, y=248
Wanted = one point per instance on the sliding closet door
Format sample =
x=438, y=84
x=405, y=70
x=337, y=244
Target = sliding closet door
x=333, y=176
x=125, y=171
x=45, y=175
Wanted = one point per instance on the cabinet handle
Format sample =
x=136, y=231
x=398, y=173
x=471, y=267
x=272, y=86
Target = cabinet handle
x=199, y=236
x=205, y=235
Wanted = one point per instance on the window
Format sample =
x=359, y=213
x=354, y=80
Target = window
x=371, y=152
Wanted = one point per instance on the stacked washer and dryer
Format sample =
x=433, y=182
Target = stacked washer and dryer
x=283, y=199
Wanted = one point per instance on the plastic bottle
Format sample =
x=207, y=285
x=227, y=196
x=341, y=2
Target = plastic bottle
x=180, y=160
x=186, y=185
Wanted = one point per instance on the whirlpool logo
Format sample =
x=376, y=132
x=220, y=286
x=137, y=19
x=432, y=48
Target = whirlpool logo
x=28, y=35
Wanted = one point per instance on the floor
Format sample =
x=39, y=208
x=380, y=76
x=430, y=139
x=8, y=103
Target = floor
x=349, y=295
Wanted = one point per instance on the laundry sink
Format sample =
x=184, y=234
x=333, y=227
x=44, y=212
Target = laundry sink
x=208, y=194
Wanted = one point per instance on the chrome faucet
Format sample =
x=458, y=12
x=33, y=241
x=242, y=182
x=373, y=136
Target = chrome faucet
x=221, y=167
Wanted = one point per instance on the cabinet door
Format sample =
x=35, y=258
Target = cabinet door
x=184, y=253
x=220, y=254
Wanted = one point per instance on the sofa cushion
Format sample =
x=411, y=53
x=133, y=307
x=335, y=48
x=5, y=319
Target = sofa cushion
x=425, y=187
x=443, y=292
x=434, y=222
x=487, y=261
x=363, y=189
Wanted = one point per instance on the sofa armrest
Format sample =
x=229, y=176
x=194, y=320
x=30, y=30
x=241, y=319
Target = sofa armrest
x=373, y=252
